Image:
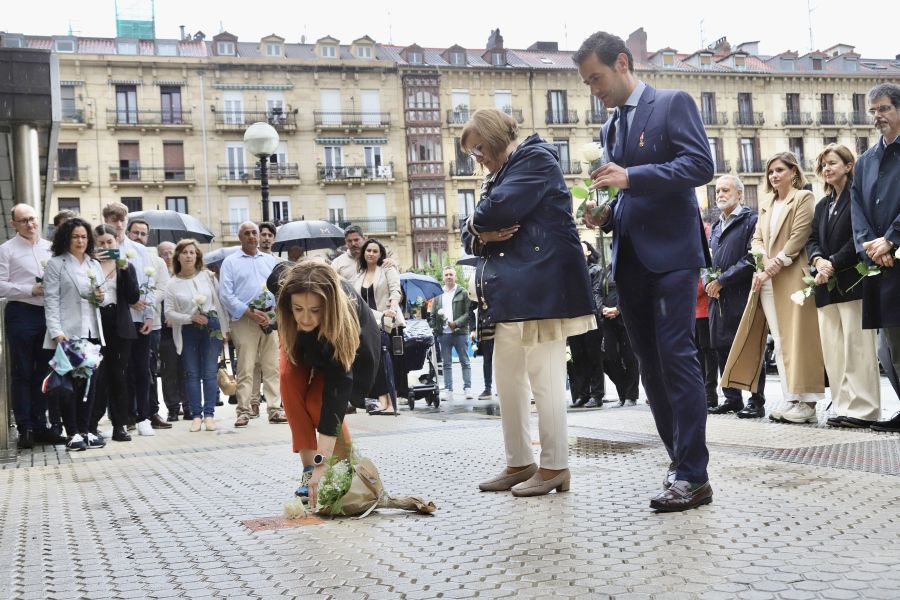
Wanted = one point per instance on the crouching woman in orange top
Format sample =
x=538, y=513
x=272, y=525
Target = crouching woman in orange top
x=328, y=358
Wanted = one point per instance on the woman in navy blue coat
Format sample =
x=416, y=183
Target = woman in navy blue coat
x=532, y=284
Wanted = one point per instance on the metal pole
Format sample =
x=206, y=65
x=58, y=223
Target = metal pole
x=7, y=440
x=264, y=186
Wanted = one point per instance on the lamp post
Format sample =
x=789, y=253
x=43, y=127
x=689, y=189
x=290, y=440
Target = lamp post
x=261, y=140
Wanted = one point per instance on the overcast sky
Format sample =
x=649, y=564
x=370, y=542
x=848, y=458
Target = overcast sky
x=779, y=25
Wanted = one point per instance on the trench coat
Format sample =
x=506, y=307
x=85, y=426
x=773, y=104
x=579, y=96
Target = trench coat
x=798, y=325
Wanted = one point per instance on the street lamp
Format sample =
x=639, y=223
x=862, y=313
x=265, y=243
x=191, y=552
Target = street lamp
x=261, y=140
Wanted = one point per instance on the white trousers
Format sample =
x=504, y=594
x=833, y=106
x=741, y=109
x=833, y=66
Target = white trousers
x=850, y=361
x=522, y=372
x=767, y=299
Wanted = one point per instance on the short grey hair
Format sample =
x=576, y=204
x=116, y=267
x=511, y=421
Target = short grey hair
x=886, y=90
x=738, y=184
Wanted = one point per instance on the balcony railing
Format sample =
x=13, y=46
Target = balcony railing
x=242, y=119
x=434, y=222
x=230, y=228
x=596, y=118
x=121, y=174
x=749, y=119
x=796, y=118
x=425, y=169
x=355, y=173
x=326, y=119
x=831, y=118
x=459, y=116
x=723, y=166
x=138, y=118
x=515, y=113
x=562, y=117
x=421, y=116
x=71, y=174
x=370, y=225
x=715, y=118
x=860, y=117
x=750, y=166
x=462, y=168
x=276, y=171
x=73, y=115
x=571, y=168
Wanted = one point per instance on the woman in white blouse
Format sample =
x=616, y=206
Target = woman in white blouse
x=194, y=313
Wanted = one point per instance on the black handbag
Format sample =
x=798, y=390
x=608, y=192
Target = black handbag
x=54, y=383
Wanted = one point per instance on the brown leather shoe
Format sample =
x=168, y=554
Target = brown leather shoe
x=505, y=480
x=242, y=421
x=682, y=495
x=277, y=417
x=254, y=410
x=157, y=422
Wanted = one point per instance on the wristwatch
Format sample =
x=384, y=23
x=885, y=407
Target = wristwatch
x=318, y=460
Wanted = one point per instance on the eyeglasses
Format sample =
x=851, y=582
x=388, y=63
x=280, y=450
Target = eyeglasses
x=141, y=234
x=880, y=109
x=27, y=221
x=476, y=151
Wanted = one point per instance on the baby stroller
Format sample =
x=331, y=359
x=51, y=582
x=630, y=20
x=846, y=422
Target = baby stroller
x=418, y=348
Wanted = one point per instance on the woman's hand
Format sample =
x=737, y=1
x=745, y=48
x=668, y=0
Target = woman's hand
x=759, y=279
x=824, y=267
x=501, y=235
x=821, y=278
x=713, y=288
x=98, y=291
x=60, y=339
x=772, y=266
x=199, y=319
x=610, y=312
x=390, y=313
x=314, y=486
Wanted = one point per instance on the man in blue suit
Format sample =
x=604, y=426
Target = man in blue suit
x=658, y=153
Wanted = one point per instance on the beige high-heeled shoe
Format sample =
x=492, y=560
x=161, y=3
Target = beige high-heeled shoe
x=195, y=424
x=504, y=480
x=209, y=423
x=538, y=486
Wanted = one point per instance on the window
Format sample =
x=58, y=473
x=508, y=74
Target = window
x=170, y=104
x=428, y=209
x=67, y=159
x=334, y=162
x=795, y=145
x=599, y=114
x=234, y=159
x=273, y=49
x=238, y=211
x=177, y=203
x=372, y=156
x=745, y=108
x=708, y=108
x=787, y=64
x=67, y=104
x=281, y=209
x=275, y=108
x=827, y=104
x=829, y=140
x=740, y=62
x=129, y=161
x=859, y=110
x=126, y=104
x=364, y=51
x=556, y=107
x=457, y=58
x=749, y=152
x=459, y=100
x=498, y=59
x=705, y=61
x=414, y=57
x=370, y=103
x=73, y=204
x=562, y=146
x=750, y=198
x=166, y=49
x=329, y=51
x=376, y=212
x=465, y=164
x=711, y=198
x=234, y=108
x=465, y=200
x=134, y=203
x=64, y=46
x=862, y=144
x=668, y=59
x=126, y=47
x=331, y=106
x=817, y=64
x=10, y=41
x=424, y=147
x=503, y=100
x=337, y=209
x=225, y=48
x=715, y=148
x=173, y=161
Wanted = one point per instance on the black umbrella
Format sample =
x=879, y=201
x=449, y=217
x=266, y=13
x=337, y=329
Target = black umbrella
x=172, y=226
x=468, y=260
x=309, y=235
x=214, y=258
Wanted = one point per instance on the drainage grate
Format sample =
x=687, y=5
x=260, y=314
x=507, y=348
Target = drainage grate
x=876, y=456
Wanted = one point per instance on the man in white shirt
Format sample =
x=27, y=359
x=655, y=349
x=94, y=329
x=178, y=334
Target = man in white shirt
x=347, y=264
x=22, y=261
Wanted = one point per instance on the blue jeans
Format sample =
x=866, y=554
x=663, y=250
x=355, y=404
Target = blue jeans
x=200, y=359
x=448, y=342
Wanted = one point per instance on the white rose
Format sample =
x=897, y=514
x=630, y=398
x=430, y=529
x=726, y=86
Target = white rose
x=44, y=262
x=130, y=254
x=199, y=299
x=442, y=312
x=149, y=271
x=91, y=275
x=591, y=152
x=798, y=297
x=264, y=288
x=756, y=251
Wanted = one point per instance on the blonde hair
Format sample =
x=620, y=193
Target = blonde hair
x=116, y=210
x=179, y=248
x=339, y=325
x=797, y=181
x=495, y=128
x=843, y=153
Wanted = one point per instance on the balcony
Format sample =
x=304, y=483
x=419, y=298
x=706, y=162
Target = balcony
x=431, y=223
x=370, y=225
x=571, y=168
x=423, y=116
x=230, y=229
x=147, y=177
x=350, y=174
x=459, y=116
x=464, y=168
x=794, y=118
x=71, y=177
x=723, y=166
x=749, y=119
x=750, y=166
x=149, y=119
x=425, y=169
x=346, y=121
x=240, y=120
x=74, y=118
x=562, y=117
x=828, y=118
x=714, y=118
x=860, y=117
x=596, y=118
x=280, y=174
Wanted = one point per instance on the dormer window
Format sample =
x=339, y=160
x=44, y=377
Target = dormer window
x=817, y=64
x=364, y=52
x=498, y=59
x=329, y=51
x=225, y=48
x=414, y=57
x=128, y=47
x=457, y=58
x=851, y=64
x=11, y=41
x=166, y=49
x=740, y=62
x=64, y=46
x=668, y=59
x=787, y=64
x=705, y=61
x=273, y=49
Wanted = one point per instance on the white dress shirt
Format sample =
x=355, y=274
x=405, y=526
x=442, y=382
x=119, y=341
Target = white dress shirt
x=20, y=266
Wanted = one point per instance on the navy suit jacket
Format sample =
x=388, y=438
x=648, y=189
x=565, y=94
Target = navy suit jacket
x=667, y=155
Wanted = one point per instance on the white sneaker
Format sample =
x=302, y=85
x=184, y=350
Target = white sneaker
x=778, y=413
x=468, y=393
x=144, y=428
x=446, y=394
x=801, y=413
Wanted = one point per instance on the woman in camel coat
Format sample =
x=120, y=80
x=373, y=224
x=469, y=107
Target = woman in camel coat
x=785, y=222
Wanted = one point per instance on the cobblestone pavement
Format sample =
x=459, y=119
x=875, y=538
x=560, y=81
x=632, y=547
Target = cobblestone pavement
x=799, y=512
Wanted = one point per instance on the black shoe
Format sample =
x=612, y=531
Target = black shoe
x=753, y=410
x=594, y=403
x=172, y=417
x=232, y=399
x=892, y=425
x=581, y=402
x=26, y=440
x=835, y=421
x=857, y=423
x=219, y=402
x=711, y=403
x=94, y=440
x=621, y=403
x=633, y=402
x=351, y=410
x=120, y=434
x=726, y=408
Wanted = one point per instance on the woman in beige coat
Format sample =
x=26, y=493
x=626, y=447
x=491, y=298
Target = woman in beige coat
x=784, y=225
